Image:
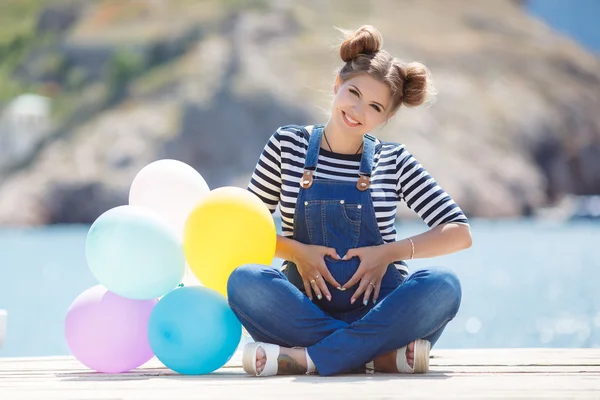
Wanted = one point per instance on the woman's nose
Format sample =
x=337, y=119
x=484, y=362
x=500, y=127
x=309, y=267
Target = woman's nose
x=358, y=110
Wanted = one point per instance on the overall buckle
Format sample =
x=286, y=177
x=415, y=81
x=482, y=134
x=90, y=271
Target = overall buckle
x=307, y=179
x=364, y=182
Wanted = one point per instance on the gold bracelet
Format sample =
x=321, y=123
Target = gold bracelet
x=412, y=251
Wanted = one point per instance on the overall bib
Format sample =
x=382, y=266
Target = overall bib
x=339, y=215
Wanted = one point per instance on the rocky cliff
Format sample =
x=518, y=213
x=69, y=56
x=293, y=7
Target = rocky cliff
x=515, y=126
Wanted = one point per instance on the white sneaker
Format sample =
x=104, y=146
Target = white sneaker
x=3, y=315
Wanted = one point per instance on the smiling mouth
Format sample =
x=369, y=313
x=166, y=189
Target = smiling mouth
x=349, y=121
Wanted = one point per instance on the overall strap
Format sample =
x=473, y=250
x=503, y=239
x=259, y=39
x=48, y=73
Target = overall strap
x=314, y=146
x=366, y=163
x=312, y=156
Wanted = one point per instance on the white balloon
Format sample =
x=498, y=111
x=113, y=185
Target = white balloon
x=171, y=188
x=190, y=279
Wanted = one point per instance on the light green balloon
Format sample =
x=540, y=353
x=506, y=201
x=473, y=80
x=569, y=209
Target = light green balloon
x=134, y=253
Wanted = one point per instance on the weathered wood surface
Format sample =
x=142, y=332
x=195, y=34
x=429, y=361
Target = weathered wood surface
x=474, y=374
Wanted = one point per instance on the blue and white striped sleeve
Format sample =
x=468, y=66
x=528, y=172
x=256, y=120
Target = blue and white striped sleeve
x=423, y=195
x=266, y=178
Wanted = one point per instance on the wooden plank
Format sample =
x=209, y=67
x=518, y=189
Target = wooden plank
x=465, y=374
x=517, y=357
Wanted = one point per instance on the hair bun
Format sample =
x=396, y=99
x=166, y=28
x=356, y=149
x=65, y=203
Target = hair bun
x=365, y=40
x=418, y=87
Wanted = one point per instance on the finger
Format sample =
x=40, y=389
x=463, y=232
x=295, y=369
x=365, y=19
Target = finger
x=368, y=292
x=318, y=283
x=315, y=288
x=351, y=253
x=332, y=253
x=354, y=280
x=376, y=293
x=361, y=289
x=321, y=281
x=323, y=287
x=307, y=289
x=326, y=275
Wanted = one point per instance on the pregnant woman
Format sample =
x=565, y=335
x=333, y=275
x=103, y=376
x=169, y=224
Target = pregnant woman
x=344, y=300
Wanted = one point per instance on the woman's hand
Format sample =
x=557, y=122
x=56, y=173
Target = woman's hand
x=310, y=260
x=374, y=261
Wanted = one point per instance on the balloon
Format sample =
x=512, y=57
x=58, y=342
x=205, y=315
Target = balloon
x=170, y=188
x=190, y=279
x=228, y=228
x=133, y=253
x=107, y=332
x=193, y=331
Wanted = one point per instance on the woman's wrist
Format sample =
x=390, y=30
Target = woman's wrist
x=287, y=248
x=294, y=250
x=400, y=250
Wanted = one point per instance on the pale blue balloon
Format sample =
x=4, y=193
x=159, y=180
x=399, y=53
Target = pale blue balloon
x=193, y=331
x=134, y=253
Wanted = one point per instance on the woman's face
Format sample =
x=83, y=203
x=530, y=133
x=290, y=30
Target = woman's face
x=360, y=104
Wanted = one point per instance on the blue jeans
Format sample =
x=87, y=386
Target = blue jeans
x=275, y=311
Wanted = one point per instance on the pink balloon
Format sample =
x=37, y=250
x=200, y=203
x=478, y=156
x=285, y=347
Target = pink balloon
x=109, y=333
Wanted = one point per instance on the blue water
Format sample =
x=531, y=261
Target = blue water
x=525, y=284
x=577, y=19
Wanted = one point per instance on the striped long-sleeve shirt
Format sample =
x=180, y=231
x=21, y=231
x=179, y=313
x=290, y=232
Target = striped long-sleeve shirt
x=396, y=177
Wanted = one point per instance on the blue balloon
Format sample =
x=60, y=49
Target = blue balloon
x=193, y=331
x=134, y=253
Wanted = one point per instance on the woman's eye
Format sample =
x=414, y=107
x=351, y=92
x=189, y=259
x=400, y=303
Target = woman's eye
x=354, y=92
x=376, y=108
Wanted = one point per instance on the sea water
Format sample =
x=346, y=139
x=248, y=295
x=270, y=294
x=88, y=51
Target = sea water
x=525, y=284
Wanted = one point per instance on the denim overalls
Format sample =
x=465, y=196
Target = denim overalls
x=341, y=215
x=340, y=336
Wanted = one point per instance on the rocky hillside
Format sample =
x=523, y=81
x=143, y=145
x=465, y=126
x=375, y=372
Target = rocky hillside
x=515, y=127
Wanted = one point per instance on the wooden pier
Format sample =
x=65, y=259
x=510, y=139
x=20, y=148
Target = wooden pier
x=455, y=374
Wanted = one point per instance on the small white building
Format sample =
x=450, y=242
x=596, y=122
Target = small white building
x=24, y=122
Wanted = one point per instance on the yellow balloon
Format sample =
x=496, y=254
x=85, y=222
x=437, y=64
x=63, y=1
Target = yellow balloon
x=229, y=227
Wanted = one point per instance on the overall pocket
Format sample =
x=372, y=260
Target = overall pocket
x=333, y=223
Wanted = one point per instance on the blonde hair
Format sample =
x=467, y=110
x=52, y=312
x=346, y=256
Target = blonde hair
x=409, y=83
